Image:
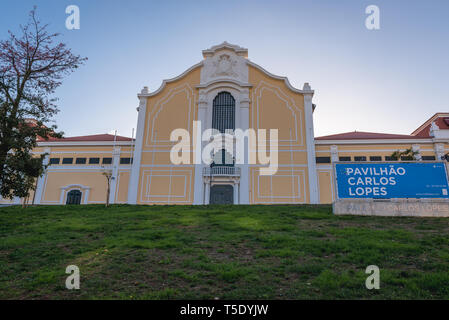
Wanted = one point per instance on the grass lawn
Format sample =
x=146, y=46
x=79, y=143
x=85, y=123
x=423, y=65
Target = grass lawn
x=225, y=252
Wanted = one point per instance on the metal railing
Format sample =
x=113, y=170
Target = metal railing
x=221, y=171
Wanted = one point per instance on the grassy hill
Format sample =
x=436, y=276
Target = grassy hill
x=225, y=252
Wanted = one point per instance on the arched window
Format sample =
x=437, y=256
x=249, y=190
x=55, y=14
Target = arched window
x=74, y=197
x=223, y=112
x=222, y=158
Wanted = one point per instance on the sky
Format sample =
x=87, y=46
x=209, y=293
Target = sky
x=388, y=80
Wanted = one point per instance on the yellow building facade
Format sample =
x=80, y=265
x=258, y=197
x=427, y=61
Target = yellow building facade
x=224, y=91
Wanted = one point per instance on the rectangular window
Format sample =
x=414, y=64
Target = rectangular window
x=107, y=160
x=375, y=158
x=54, y=160
x=125, y=160
x=80, y=161
x=389, y=158
x=94, y=160
x=67, y=160
x=344, y=159
x=407, y=158
x=323, y=159
x=360, y=158
x=428, y=158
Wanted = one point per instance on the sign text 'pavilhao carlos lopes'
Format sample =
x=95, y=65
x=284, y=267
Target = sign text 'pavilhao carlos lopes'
x=391, y=180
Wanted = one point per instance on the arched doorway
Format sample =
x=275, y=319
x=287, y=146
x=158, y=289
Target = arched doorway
x=74, y=197
x=221, y=194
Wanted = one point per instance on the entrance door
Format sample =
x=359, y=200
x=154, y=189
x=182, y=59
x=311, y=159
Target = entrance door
x=221, y=194
x=73, y=197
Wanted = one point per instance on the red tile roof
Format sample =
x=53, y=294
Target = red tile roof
x=366, y=135
x=94, y=137
x=440, y=120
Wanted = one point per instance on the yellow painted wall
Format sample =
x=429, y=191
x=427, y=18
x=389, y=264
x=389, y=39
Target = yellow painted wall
x=325, y=182
x=55, y=180
x=121, y=193
x=288, y=185
x=274, y=106
x=88, y=175
x=175, y=106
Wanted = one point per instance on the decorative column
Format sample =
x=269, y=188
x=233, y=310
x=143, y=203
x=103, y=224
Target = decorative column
x=310, y=140
x=86, y=195
x=236, y=192
x=207, y=193
x=434, y=130
x=198, y=147
x=244, y=125
x=138, y=145
x=41, y=180
x=416, y=148
x=439, y=151
x=334, y=153
x=115, y=164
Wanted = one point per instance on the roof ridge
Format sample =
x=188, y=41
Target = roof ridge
x=365, y=135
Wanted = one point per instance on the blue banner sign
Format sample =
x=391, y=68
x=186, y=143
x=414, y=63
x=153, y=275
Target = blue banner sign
x=391, y=180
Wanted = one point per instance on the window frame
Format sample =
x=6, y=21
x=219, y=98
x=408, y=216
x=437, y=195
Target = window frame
x=322, y=159
x=123, y=161
x=94, y=162
x=67, y=160
x=57, y=162
x=109, y=160
x=80, y=161
x=223, y=112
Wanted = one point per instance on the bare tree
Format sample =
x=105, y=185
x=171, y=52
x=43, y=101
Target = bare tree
x=32, y=66
x=109, y=177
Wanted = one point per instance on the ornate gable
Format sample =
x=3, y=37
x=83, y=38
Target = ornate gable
x=224, y=62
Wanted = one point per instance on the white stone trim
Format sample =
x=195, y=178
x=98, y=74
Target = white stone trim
x=198, y=186
x=224, y=64
x=205, y=103
x=77, y=168
x=114, y=178
x=236, y=193
x=207, y=193
x=285, y=79
x=81, y=152
x=41, y=181
x=137, y=156
x=313, y=178
x=334, y=153
x=416, y=148
x=220, y=81
x=371, y=150
x=439, y=150
x=373, y=141
x=64, y=191
x=164, y=82
x=240, y=51
x=83, y=143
